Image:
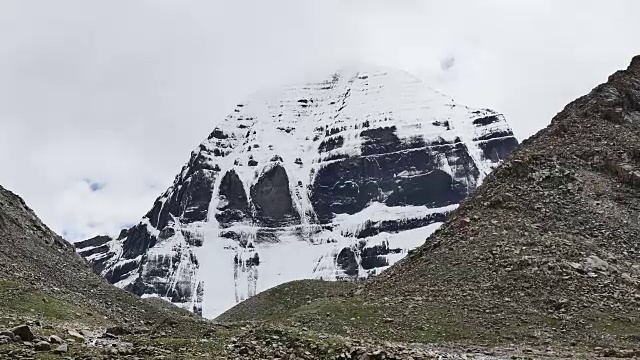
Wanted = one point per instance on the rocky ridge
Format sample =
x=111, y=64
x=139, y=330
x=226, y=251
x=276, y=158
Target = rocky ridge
x=349, y=173
x=49, y=297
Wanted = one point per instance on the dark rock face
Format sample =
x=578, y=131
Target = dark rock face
x=380, y=141
x=191, y=200
x=372, y=228
x=322, y=180
x=272, y=199
x=95, y=241
x=483, y=121
x=94, y=245
x=374, y=257
x=348, y=186
x=137, y=242
x=233, y=204
x=497, y=149
x=188, y=199
x=371, y=257
x=346, y=260
x=95, y=250
x=119, y=271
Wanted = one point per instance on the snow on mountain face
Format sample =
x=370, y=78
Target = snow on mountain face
x=331, y=180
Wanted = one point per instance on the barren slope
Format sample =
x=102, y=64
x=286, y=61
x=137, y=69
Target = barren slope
x=46, y=285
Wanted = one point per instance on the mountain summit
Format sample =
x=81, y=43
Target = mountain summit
x=331, y=180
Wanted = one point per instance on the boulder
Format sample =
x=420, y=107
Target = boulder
x=55, y=339
x=24, y=332
x=75, y=335
x=61, y=349
x=118, y=330
x=42, y=346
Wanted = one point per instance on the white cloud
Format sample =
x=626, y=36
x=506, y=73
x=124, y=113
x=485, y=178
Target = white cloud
x=119, y=92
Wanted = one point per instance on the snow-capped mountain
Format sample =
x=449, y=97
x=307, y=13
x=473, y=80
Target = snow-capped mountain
x=337, y=179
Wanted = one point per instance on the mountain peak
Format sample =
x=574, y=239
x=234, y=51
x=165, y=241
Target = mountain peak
x=336, y=179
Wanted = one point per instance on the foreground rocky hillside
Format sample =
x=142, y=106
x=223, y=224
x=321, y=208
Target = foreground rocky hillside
x=52, y=304
x=348, y=174
x=545, y=253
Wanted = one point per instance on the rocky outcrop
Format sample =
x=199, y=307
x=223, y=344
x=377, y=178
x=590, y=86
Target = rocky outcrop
x=331, y=180
x=271, y=198
x=233, y=205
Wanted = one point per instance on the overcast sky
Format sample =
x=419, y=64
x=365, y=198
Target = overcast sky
x=101, y=102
